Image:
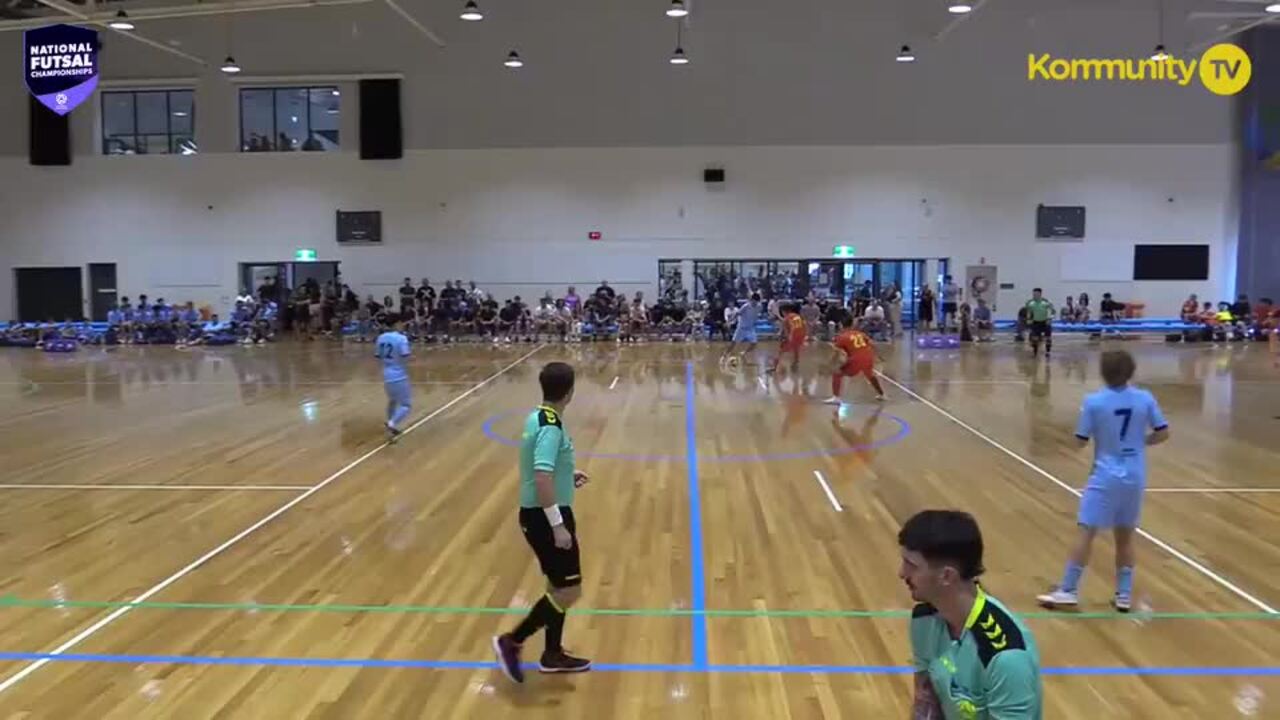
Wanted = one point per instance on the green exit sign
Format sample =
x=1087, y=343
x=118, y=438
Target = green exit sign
x=304, y=255
x=842, y=251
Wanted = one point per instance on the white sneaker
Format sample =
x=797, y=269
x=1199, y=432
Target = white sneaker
x=881, y=398
x=833, y=400
x=1058, y=598
x=1121, y=602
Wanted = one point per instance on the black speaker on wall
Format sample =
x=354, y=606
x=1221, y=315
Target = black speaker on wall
x=381, y=136
x=49, y=134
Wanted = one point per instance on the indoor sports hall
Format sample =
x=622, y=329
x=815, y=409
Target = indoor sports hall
x=218, y=501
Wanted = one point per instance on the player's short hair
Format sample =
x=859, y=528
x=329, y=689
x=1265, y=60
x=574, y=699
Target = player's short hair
x=846, y=320
x=948, y=537
x=1117, y=367
x=556, y=380
x=1037, y=290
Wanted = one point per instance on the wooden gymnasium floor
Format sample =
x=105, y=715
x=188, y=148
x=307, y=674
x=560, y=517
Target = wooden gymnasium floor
x=286, y=564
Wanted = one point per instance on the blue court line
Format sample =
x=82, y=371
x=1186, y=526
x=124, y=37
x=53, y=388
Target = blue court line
x=698, y=570
x=1190, y=671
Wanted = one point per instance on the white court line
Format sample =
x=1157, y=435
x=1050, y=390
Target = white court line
x=108, y=486
x=827, y=489
x=1155, y=540
x=614, y=384
x=121, y=611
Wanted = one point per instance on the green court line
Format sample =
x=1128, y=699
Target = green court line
x=10, y=601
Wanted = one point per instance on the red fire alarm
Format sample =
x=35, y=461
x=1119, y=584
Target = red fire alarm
x=595, y=235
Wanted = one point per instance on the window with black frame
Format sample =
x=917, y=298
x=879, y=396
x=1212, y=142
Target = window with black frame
x=294, y=119
x=148, y=122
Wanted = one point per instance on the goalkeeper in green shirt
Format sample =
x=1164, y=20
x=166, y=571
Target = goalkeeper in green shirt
x=1040, y=312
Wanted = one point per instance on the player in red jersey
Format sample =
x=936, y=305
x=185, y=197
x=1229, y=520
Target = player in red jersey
x=857, y=357
x=793, y=336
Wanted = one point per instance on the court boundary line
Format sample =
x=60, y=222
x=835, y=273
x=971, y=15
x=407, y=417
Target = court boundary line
x=1103, y=670
x=194, y=565
x=827, y=489
x=697, y=569
x=107, y=486
x=1194, y=564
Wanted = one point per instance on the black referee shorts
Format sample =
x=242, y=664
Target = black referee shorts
x=562, y=567
x=1041, y=329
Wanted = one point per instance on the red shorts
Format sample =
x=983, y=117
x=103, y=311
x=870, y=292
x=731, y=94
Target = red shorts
x=857, y=367
x=794, y=344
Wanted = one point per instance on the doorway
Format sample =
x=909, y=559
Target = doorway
x=51, y=294
x=102, y=290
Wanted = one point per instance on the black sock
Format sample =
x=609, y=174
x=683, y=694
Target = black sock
x=541, y=614
x=555, y=631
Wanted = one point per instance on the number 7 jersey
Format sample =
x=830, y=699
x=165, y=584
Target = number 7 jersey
x=1117, y=420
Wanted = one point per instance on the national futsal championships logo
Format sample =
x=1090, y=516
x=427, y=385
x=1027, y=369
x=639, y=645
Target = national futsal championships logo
x=60, y=65
x=1223, y=69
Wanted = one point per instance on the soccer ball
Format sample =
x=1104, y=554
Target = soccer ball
x=732, y=361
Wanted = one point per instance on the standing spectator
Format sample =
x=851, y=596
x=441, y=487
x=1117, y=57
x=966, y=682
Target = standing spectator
x=950, y=302
x=426, y=295
x=605, y=291
x=893, y=306
x=924, y=311
x=407, y=296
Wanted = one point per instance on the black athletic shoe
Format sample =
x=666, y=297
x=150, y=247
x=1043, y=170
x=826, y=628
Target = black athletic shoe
x=563, y=662
x=507, y=652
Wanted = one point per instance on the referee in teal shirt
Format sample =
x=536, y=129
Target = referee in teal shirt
x=548, y=480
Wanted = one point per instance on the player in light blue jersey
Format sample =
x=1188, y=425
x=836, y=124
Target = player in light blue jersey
x=748, y=316
x=392, y=348
x=1117, y=419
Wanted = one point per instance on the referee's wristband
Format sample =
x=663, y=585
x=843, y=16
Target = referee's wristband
x=553, y=515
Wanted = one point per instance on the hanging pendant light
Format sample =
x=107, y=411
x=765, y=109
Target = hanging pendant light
x=471, y=12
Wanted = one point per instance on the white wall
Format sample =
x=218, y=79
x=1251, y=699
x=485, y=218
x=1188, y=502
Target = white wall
x=517, y=220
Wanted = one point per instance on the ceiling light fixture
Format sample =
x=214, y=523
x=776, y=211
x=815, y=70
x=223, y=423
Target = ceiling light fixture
x=121, y=22
x=677, y=9
x=905, y=55
x=960, y=7
x=678, y=57
x=1160, y=55
x=1273, y=8
x=513, y=60
x=471, y=12
x=229, y=66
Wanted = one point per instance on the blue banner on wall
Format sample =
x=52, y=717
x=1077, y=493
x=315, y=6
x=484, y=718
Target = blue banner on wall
x=60, y=65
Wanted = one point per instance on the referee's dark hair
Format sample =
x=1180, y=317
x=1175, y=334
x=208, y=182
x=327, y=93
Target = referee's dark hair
x=556, y=380
x=947, y=537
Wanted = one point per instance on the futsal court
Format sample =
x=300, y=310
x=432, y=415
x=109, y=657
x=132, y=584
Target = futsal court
x=225, y=533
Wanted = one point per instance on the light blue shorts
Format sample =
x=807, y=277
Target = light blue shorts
x=744, y=334
x=398, y=393
x=1111, y=505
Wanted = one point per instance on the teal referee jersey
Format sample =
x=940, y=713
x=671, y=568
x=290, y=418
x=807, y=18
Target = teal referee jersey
x=991, y=673
x=546, y=447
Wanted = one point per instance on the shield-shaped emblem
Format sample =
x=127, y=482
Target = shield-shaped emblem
x=60, y=65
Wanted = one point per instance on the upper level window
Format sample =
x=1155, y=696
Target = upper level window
x=148, y=122
x=289, y=119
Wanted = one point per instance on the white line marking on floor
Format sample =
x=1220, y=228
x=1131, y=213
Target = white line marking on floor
x=109, y=486
x=1049, y=476
x=614, y=384
x=827, y=489
x=123, y=610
